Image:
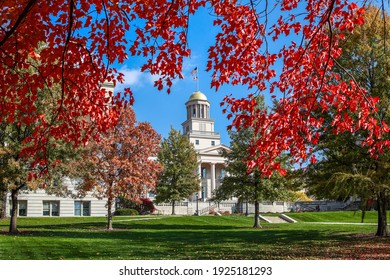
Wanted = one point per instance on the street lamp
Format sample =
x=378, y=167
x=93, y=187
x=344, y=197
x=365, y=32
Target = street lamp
x=197, y=204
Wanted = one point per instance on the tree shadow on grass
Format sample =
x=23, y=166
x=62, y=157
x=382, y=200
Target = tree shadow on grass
x=224, y=244
x=130, y=225
x=195, y=235
x=162, y=241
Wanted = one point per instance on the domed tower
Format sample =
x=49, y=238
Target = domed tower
x=199, y=127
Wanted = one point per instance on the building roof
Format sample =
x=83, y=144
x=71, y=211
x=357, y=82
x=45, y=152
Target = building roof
x=197, y=95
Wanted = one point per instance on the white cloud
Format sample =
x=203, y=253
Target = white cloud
x=133, y=77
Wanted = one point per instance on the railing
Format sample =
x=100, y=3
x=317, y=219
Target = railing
x=207, y=210
x=204, y=132
x=177, y=203
x=354, y=205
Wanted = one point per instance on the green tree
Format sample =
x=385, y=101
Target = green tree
x=347, y=167
x=19, y=172
x=246, y=184
x=179, y=178
x=249, y=185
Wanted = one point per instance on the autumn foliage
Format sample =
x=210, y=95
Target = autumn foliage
x=306, y=83
x=78, y=42
x=121, y=163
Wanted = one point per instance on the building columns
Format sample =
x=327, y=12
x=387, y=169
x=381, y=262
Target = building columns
x=200, y=178
x=212, y=177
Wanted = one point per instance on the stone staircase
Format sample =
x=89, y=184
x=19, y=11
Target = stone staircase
x=206, y=210
x=277, y=219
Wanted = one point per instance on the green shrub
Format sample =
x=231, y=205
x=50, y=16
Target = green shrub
x=126, y=212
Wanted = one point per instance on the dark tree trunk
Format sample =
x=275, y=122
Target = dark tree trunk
x=3, y=210
x=109, y=214
x=14, y=212
x=257, y=207
x=173, y=208
x=257, y=215
x=382, y=215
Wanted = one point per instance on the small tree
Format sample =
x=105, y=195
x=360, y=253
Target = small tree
x=248, y=185
x=121, y=163
x=179, y=179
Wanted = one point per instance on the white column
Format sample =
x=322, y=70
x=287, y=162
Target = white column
x=200, y=177
x=212, y=177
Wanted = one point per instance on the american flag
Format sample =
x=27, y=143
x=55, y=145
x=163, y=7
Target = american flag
x=194, y=73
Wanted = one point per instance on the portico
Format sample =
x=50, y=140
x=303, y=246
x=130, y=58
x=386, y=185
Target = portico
x=211, y=175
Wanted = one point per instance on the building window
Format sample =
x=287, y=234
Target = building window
x=196, y=142
x=51, y=208
x=82, y=208
x=22, y=208
x=22, y=205
x=212, y=143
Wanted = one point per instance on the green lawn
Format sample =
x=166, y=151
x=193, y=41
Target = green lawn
x=190, y=237
x=338, y=217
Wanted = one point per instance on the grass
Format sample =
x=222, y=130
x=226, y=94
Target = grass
x=190, y=237
x=337, y=217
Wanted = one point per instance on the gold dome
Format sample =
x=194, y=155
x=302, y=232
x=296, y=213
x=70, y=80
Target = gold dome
x=197, y=95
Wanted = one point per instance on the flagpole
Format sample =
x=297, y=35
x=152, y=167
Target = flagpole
x=195, y=74
x=197, y=79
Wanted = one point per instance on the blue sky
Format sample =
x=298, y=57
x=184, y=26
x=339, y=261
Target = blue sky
x=164, y=111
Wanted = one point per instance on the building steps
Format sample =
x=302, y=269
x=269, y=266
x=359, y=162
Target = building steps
x=277, y=219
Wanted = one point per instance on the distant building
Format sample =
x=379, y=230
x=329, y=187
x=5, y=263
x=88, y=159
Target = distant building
x=199, y=127
x=40, y=204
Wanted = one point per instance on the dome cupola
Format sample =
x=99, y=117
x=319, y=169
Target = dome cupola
x=198, y=106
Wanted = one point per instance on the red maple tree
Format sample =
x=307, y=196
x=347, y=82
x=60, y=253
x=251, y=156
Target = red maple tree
x=77, y=42
x=121, y=163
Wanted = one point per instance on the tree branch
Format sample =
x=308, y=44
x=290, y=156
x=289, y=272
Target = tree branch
x=21, y=17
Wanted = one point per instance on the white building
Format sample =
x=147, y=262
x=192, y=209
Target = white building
x=199, y=128
x=38, y=203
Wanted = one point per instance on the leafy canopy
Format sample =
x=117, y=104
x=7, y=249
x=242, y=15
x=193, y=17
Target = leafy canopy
x=83, y=39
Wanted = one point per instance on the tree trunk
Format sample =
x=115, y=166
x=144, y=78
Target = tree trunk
x=173, y=208
x=257, y=215
x=14, y=212
x=109, y=214
x=382, y=217
x=4, y=205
